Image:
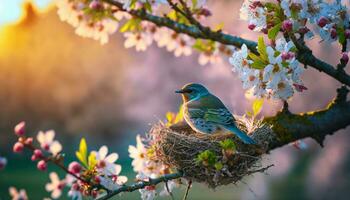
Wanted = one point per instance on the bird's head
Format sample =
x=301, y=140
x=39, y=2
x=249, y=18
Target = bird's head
x=192, y=91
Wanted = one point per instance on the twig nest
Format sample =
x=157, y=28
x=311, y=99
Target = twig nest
x=204, y=158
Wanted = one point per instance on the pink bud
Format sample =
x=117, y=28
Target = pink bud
x=304, y=30
x=42, y=166
x=265, y=30
x=151, y=187
x=94, y=193
x=96, y=5
x=18, y=147
x=299, y=88
x=287, y=25
x=333, y=33
x=74, y=167
x=251, y=26
x=20, y=128
x=34, y=158
x=205, y=12
x=347, y=33
x=97, y=179
x=75, y=186
x=38, y=153
x=29, y=141
x=345, y=58
x=287, y=55
x=322, y=21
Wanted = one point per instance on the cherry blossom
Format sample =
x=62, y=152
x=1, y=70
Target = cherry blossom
x=106, y=163
x=47, y=142
x=18, y=195
x=138, y=154
x=56, y=186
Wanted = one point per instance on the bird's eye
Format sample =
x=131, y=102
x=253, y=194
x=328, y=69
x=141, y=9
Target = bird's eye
x=189, y=91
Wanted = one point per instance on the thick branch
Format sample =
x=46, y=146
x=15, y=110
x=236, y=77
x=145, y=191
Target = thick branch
x=305, y=55
x=142, y=184
x=288, y=127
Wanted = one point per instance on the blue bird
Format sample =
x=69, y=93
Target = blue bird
x=205, y=113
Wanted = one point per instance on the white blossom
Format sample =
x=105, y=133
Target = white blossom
x=18, y=195
x=139, y=40
x=254, y=14
x=56, y=186
x=106, y=163
x=47, y=142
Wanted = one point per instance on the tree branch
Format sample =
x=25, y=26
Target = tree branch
x=143, y=184
x=288, y=127
x=304, y=54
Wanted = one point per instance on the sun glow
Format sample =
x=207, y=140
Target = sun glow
x=11, y=10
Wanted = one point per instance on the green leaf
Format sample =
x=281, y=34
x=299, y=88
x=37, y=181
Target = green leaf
x=257, y=106
x=92, y=160
x=148, y=7
x=262, y=48
x=172, y=15
x=273, y=32
x=258, y=64
x=227, y=145
x=131, y=25
x=270, y=6
x=82, y=153
x=207, y=158
x=218, y=166
x=341, y=35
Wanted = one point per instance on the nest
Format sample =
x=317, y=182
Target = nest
x=178, y=146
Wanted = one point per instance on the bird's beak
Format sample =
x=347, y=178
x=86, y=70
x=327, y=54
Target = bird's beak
x=180, y=91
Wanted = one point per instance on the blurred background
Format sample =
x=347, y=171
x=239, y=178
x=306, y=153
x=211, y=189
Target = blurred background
x=54, y=79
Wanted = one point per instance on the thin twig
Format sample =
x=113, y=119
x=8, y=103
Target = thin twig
x=187, y=190
x=142, y=184
x=168, y=190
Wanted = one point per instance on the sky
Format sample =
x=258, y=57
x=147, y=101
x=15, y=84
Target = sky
x=11, y=10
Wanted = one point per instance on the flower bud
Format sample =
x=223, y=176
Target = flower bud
x=18, y=147
x=42, y=165
x=96, y=5
x=333, y=33
x=347, y=33
x=75, y=186
x=34, y=157
x=251, y=26
x=20, y=128
x=205, y=12
x=97, y=179
x=287, y=25
x=345, y=58
x=94, y=193
x=304, y=30
x=38, y=153
x=74, y=167
x=322, y=22
x=29, y=141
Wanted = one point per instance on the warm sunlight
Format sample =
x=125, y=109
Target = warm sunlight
x=11, y=10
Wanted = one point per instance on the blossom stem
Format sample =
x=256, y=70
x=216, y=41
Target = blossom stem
x=142, y=184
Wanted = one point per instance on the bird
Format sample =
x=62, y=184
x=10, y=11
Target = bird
x=205, y=113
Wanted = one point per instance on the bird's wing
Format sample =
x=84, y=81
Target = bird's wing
x=211, y=109
x=220, y=116
x=196, y=112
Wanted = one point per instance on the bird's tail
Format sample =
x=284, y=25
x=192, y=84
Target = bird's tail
x=244, y=137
